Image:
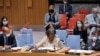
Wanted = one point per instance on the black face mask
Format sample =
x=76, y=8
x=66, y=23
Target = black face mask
x=51, y=11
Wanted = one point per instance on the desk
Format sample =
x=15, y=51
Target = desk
x=34, y=54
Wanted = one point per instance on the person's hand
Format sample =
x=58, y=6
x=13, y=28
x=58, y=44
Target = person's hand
x=67, y=13
x=50, y=22
x=81, y=40
x=1, y=47
x=93, y=25
x=35, y=47
x=7, y=46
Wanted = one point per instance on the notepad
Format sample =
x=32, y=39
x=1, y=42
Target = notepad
x=81, y=51
x=48, y=48
x=16, y=48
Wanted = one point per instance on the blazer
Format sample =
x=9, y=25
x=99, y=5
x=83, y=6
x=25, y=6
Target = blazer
x=67, y=9
x=89, y=19
x=11, y=40
x=97, y=44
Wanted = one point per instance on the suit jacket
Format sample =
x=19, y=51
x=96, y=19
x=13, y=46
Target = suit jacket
x=97, y=44
x=67, y=9
x=11, y=40
x=57, y=19
x=89, y=19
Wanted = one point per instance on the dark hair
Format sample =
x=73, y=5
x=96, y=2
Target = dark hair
x=2, y=21
x=76, y=28
x=47, y=27
x=49, y=31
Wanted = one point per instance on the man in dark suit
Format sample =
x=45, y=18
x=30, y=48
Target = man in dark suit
x=94, y=42
x=65, y=9
x=7, y=39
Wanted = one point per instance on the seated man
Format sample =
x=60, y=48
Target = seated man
x=94, y=42
x=92, y=21
x=7, y=40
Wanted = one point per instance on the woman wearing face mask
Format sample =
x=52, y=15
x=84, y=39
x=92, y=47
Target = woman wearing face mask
x=4, y=22
x=52, y=17
x=80, y=30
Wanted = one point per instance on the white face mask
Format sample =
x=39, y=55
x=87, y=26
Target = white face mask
x=5, y=22
x=65, y=2
x=94, y=38
x=7, y=35
x=79, y=25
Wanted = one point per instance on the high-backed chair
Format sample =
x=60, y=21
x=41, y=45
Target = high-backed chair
x=62, y=34
x=73, y=41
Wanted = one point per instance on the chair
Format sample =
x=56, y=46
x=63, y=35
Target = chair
x=30, y=32
x=84, y=11
x=70, y=31
x=73, y=41
x=62, y=34
x=72, y=23
x=26, y=31
x=80, y=16
x=24, y=40
x=63, y=21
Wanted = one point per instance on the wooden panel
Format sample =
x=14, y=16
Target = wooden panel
x=18, y=13
x=1, y=3
x=1, y=9
x=35, y=15
x=8, y=3
x=30, y=2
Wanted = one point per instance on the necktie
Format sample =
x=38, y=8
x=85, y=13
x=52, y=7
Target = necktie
x=6, y=41
x=64, y=8
x=93, y=44
x=95, y=16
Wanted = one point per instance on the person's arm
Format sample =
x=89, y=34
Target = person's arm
x=86, y=22
x=40, y=44
x=1, y=47
x=13, y=41
x=46, y=18
x=98, y=25
x=57, y=19
x=1, y=40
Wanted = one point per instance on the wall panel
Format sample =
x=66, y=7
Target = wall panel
x=19, y=13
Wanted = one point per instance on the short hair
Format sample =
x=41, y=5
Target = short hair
x=49, y=31
x=94, y=33
x=94, y=9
